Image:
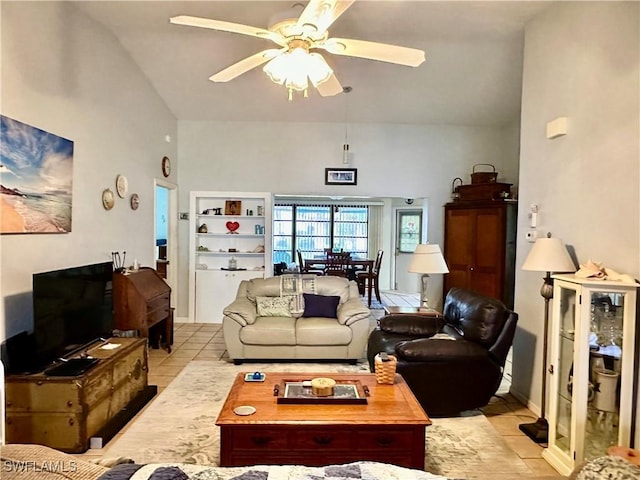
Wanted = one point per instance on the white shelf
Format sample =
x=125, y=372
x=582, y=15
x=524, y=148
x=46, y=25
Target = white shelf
x=227, y=217
x=204, y=307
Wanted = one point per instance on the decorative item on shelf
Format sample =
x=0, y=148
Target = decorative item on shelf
x=249, y=213
x=203, y=228
x=547, y=255
x=201, y=266
x=260, y=210
x=483, y=177
x=108, y=200
x=134, y=201
x=258, y=229
x=202, y=248
x=217, y=211
x=166, y=166
x=233, y=263
x=427, y=258
x=232, y=227
x=258, y=249
x=455, y=195
x=233, y=207
x=232, y=250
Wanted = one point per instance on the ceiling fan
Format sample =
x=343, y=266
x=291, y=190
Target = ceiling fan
x=298, y=34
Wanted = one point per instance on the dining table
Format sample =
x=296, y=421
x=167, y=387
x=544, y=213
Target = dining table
x=364, y=264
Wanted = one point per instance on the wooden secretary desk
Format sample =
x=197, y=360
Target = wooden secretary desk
x=142, y=302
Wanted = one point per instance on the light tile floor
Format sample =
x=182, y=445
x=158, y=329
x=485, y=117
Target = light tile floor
x=206, y=342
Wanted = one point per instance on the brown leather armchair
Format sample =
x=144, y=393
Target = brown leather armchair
x=454, y=362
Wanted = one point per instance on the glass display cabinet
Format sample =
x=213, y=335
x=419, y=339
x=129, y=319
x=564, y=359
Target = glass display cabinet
x=591, y=369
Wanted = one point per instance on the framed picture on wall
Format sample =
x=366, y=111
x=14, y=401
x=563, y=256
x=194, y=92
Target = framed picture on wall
x=36, y=170
x=340, y=176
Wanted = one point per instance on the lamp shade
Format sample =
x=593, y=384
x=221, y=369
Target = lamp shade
x=549, y=255
x=427, y=258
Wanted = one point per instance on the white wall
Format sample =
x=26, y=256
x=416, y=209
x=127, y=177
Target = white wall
x=407, y=161
x=581, y=61
x=64, y=73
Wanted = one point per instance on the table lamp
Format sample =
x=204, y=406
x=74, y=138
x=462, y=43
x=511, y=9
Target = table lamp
x=547, y=255
x=427, y=258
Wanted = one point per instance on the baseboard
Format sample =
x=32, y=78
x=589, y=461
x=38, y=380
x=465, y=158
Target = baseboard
x=106, y=433
x=525, y=401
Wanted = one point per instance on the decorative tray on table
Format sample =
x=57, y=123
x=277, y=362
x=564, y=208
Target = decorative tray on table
x=301, y=391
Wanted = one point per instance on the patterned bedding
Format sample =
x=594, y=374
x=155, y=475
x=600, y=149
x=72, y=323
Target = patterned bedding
x=350, y=471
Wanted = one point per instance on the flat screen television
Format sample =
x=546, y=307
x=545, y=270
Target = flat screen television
x=72, y=308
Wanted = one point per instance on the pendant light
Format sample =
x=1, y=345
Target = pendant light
x=345, y=145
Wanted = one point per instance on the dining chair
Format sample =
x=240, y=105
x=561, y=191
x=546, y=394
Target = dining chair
x=362, y=278
x=337, y=263
x=303, y=269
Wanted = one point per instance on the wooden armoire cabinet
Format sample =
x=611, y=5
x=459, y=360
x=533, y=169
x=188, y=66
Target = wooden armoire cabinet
x=480, y=247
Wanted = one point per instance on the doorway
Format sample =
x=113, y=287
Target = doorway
x=409, y=231
x=165, y=237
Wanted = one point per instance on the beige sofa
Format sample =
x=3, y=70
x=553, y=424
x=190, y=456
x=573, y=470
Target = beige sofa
x=252, y=336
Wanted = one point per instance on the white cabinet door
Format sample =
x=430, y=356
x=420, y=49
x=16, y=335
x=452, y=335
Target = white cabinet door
x=215, y=289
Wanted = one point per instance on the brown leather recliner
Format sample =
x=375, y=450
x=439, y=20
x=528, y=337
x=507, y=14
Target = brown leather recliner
x=451, y=363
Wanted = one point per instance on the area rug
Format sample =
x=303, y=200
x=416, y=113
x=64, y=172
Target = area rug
x=179, y=425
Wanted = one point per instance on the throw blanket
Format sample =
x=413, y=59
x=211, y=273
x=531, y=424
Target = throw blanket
x=349, y=471
x=295, y=286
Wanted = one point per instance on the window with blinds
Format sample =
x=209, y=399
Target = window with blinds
x=312, y=228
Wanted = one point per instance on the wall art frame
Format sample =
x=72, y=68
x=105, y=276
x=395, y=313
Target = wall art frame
x=340, y=176
x=36, y=178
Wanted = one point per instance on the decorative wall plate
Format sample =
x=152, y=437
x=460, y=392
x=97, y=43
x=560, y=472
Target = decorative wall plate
x=121, y=185
x=134, y=201
x=166, y=166
x=108, y=199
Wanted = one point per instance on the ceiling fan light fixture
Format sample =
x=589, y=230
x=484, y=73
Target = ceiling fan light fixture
x=296, y=67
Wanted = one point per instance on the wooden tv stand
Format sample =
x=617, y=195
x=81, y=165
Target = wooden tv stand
x=66, y=412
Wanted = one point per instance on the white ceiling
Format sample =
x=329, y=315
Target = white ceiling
x=472, y=75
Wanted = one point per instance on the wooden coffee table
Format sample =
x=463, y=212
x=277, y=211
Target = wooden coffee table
x=389, y=428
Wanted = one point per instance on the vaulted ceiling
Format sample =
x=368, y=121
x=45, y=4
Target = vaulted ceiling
x=472, y=74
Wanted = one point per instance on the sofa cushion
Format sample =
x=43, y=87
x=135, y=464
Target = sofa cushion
x=270, y=331
x=320, y=305
x=273, y=306
x=322, y=331
x=330, y=285
x=442, y=350
x=410, y=324
x=263, y=287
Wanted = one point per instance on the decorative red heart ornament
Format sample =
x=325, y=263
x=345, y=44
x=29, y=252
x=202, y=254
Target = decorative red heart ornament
x=232, y=226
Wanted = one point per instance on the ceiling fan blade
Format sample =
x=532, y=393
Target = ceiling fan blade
x=330, y=87
x=320, y=14
x=383, y=52
x=245, y=65
x=227, y=27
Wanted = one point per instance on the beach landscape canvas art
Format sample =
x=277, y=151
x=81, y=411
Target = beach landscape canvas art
x=36, y=177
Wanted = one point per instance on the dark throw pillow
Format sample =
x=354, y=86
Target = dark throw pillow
x=320, y=305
